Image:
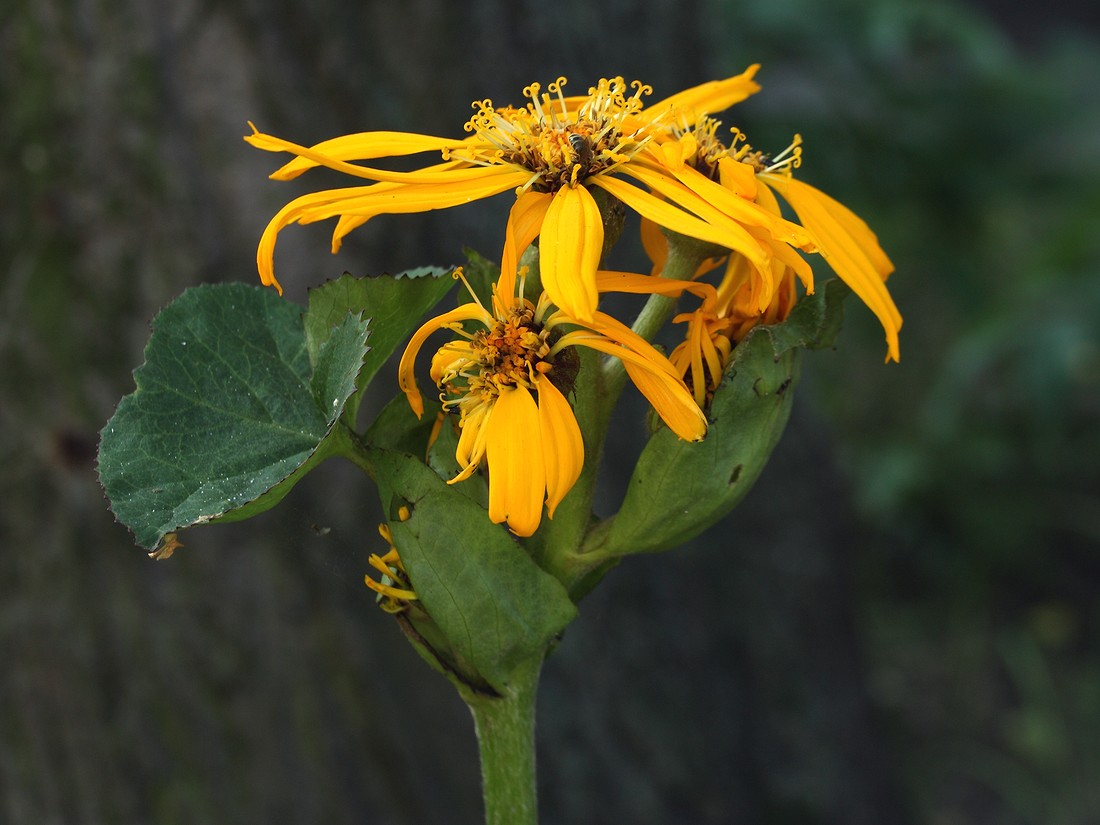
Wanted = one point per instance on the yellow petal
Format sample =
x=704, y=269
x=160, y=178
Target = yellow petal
x=472, y=437
x=355, y=146
x=727, y=234
x=452, y=357
x=562, y=445
x=524, y=224
x=741, y=209
x=655, y=244
x=849, y=247
x=672, y=400
x=402, y=198
x=570, y=246
x=738, y=177
x=517, y=473
x=292, y=213
x=717, y=206
x=658, y=380
x=630, y=282
x=361, y=146
x=707, y=98
x=612, y=332
x=406, y=379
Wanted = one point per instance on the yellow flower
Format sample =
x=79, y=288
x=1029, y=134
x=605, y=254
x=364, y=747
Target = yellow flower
x=508, y=383
x=551, y=152
x=394, y=590
x=844, y=240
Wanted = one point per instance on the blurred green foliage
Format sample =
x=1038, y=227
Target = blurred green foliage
x=900, y=624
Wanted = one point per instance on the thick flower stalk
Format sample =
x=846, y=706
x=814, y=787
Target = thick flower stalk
x=551, y=153
x=508, y=382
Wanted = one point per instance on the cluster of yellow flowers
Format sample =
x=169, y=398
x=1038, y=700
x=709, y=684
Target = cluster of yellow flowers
x=507, y=381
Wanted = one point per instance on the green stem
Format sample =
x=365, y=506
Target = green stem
x=558, y=546
x=506, y=741
x=348, y=444
x=684, y=257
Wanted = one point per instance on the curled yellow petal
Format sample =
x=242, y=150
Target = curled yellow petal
x=292, y=213
x=631, y=282
x=406, y=378
x=657, y=379
x=472, y=438
x=671, y=399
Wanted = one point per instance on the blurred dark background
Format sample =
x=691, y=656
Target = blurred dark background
x=899, y=625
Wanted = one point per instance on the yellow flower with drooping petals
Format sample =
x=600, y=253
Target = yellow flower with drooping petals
x=508, y=383
x=551, y=152
x=843, y=239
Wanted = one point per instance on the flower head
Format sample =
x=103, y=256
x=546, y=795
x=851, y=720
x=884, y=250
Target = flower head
x=508, y=382
x=394, y=590
x=551, y=152
x=750, y=294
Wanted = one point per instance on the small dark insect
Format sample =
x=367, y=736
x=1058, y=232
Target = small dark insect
x=582, y=151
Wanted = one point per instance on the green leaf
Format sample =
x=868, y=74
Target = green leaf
x=494, y=605
x=394, y=304
x=227, y=414
x=678, y=488
x=396, y=426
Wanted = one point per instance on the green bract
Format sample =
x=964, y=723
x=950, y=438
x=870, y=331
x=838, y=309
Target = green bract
x=679, y=488
x=492, y=603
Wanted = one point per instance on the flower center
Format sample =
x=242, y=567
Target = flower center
x=710, y=149
x=783, y=163
x=560, y=141
x=509, y=353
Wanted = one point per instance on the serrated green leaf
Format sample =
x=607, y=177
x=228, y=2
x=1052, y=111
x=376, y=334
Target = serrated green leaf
x=494, y=605
x=678, y=488
x=393, y=303
x=227, y=414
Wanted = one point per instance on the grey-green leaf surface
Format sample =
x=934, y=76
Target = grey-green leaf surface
x=228, y=412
